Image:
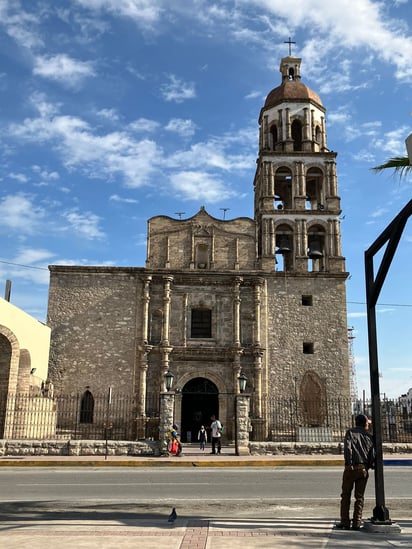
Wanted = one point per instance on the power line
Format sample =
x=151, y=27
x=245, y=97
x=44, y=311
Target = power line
x=381, y=304
x=25, y=266
x=349, y=302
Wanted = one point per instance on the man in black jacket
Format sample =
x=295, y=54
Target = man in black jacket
x=359, y=456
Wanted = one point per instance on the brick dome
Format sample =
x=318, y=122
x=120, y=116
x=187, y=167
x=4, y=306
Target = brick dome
x=291, y=91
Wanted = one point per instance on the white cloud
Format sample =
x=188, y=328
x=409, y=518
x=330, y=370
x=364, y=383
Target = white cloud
x=84, y=224
x=108, y=114
x=20, y=177
x=200, y=186
x=144, y=125
x=63, y=68
x=184, y=128
x=393, y=142
x=20, y=24
x=19, y=213
x=357, y=315
x=215, y=154
x=28, y=264
x=117, y=198
x=178, y=91
x=143, y=12
x=98, y=156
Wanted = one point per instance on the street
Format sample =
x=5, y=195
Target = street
x=197, y=492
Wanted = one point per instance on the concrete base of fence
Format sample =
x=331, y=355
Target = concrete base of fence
x=329, y=448
x=78, y=448
x=152, y=448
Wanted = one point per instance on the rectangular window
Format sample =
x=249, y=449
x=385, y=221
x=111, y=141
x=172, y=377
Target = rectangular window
x=201, y=323
x=308, y=348
x=307, y=300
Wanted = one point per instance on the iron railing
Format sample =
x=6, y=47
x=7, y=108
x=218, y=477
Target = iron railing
x=327, y=420
x=26, y=416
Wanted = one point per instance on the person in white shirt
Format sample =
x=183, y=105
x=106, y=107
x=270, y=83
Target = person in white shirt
x=216, y=427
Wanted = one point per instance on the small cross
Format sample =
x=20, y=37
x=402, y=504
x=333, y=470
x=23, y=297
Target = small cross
x=290, y=42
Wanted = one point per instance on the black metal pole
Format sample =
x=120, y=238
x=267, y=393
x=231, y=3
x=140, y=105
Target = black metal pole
x=391, y=235
x=380, y=512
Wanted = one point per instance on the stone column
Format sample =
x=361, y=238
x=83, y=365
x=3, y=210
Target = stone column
x=242, y=425
x=323, y=133
x=141, y=400
x=167, y=401
x=146, y=301
x=236, y=311
x=166, y=308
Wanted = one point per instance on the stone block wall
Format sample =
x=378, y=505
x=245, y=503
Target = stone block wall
x=93, y=314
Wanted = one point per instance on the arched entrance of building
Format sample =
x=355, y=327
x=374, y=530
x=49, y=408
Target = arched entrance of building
x=199, y=401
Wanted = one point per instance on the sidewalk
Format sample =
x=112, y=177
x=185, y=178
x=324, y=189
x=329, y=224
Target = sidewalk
x=151, y=530
x=225, y=533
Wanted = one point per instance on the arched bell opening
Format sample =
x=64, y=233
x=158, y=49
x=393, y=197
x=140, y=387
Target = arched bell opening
x=316, y=249
x=200, y=400
x=283, y=189
x=314, y=190
x=284, y=248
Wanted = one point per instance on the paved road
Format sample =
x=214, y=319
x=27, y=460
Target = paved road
x=281, y=491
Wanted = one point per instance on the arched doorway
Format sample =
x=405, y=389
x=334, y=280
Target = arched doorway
x=199, y=401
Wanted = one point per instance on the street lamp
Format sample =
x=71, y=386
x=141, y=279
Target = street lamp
x=169, y=377
x=242, y=379
x=391, y=237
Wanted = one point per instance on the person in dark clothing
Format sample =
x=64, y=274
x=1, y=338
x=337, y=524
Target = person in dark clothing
x=359, y=453
x=202, y=437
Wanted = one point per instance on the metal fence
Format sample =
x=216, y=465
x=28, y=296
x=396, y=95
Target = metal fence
x=327, y=420
x=87, y=416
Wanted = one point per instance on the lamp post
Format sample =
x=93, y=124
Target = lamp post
x=242, y=380
x=242, y=418
x=167, y=403
x=390, y=236
x=169, y=377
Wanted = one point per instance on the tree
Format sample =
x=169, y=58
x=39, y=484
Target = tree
x=399, y=164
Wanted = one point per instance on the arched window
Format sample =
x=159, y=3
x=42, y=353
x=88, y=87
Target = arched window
x=297, y=135
x=87, y=407
x=273, y=137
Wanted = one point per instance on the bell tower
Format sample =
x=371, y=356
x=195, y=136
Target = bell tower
x=297, y=207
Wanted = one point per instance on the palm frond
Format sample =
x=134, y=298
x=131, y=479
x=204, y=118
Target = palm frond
x=399, y=164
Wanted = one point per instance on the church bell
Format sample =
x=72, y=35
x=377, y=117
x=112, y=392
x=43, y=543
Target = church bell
x=314, y=251
x=283, y=246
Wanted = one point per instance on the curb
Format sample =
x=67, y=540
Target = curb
x=170, y=463
x=44, y=461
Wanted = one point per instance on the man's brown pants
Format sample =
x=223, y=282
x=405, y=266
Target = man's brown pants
x=357, y=478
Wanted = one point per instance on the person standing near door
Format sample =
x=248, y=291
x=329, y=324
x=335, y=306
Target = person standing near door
x=216, y=427
x=202, y=437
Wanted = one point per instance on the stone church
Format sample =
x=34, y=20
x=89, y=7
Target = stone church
x=264, y=297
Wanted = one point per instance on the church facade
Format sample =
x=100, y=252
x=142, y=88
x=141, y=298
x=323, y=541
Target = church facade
x=264, y=297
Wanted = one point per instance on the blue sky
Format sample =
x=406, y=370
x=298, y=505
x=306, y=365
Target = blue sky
x=113, y=111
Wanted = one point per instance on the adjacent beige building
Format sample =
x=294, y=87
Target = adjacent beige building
x=216, y=298
x=24, y=356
